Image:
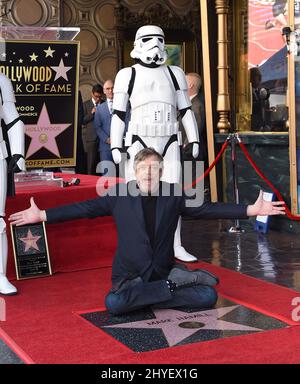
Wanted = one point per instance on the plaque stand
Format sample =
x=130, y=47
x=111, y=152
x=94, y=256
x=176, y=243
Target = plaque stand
x=9, y=32
x=37, y=178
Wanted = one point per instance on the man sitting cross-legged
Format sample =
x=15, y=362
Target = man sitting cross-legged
x=146, y=213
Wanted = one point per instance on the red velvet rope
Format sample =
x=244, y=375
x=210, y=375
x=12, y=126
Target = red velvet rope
x=257, y=170
x=224, y=146
x=275, y=190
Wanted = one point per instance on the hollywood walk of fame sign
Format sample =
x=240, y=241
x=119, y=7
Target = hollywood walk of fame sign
x=31, y=251
x=44, y=75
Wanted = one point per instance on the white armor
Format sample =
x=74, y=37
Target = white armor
x=155, y=91
x=16, y=139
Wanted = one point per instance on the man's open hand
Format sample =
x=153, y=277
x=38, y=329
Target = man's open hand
x=28, y=216
x=265, y=208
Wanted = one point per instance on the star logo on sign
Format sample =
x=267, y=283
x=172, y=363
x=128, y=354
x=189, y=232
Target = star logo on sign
x=61, y=70
x=49, y=52
x=178, y=325
x=33, y=57
x=43, y=134
x=30, y=241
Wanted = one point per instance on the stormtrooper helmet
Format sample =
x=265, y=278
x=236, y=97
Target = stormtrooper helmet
x=149, y=45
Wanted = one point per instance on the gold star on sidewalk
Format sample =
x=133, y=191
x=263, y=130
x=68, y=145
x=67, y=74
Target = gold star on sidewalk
x=33, y=57
x=49, y=52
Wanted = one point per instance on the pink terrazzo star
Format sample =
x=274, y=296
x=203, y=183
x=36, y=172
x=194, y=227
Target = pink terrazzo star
x=176, y=324
x=30, y=241
x=43, y=134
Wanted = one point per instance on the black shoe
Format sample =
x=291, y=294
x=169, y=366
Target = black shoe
x=183, y=277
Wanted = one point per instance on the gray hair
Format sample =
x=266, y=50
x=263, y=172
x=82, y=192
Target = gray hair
x=196, y=80
x=144, y=153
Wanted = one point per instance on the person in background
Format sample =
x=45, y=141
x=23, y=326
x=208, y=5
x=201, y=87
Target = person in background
x=260, y=118
x=194, y=82
x=80, y=154
x=89, y=134
x=102, y=121
x=196, y=96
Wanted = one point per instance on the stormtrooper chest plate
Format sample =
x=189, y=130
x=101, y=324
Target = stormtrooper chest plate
x=152, y=85
x=153, y=103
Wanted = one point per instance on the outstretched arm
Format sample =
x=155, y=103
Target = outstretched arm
x=100, y=206
x=234, y=211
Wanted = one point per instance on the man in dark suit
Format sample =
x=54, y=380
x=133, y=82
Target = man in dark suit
x=194, y=82
x=89, y=135
x=102, y=122
x=80, y=153
x=146, y=213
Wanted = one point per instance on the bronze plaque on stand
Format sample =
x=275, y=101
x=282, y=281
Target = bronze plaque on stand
x=30, y=251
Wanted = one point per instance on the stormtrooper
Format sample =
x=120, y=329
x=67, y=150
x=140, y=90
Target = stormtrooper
x=155, y=92
x=13, y=130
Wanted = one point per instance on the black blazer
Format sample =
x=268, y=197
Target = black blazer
x=89, y=132
x=134, y=255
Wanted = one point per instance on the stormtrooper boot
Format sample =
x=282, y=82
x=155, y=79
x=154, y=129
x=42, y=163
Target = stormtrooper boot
x=179, y=252
x=6, y=288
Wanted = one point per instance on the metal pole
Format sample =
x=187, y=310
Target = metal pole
x=233, y=138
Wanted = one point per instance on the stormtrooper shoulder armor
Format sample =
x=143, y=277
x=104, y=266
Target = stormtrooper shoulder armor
x=6, y=88
x=122, y=80
x=121, y=89
x=180, y=77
